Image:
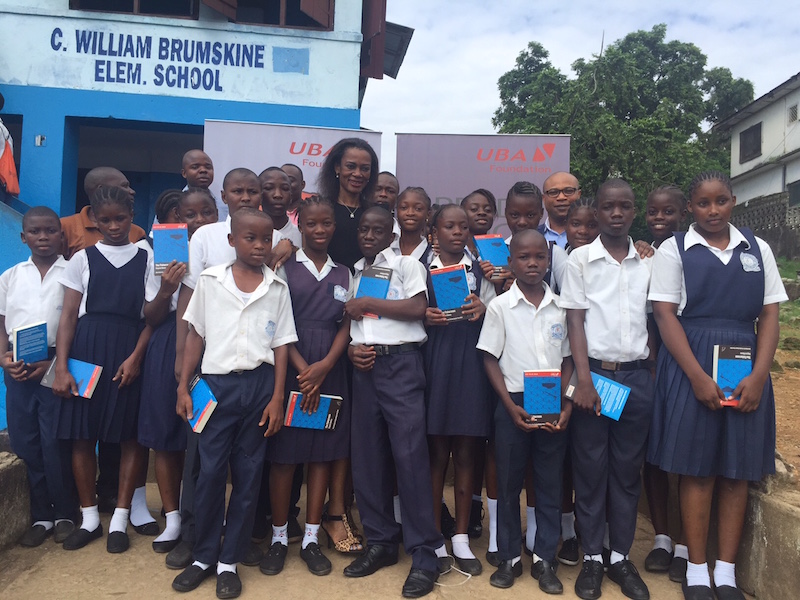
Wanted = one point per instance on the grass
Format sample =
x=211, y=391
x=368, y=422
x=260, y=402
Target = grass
x=789, y=319
x=788, y=268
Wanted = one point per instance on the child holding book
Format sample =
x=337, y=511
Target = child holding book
x=729, y=296
x=605, y=293
x=457, y=391
x=241, y=323
x=31, y=407
x=525, y=329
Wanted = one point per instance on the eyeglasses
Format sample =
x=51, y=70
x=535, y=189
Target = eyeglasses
x=555, y=192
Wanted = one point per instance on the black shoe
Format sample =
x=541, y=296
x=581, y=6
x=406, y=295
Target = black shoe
x=273, y=560
x=624, y=574
x=316, y=561
x=493, y=558
x=658, y=561
x=35, y=536
x=165, y=546
x=294, y=532
x=475, y=528
x=62, y=531
x=117, y=542
x=589, y=581
x=80, y=537
x=253, y=556
x=728, y=592
x=106, y=504
x=696, y=592
x=150, y=528
x=472, y=566
x=545, y=573
x=448, y=522
x=419, y=583
x=180, y=556
x=228, y=585
x=677, y=569
x=191, y=577
x=568, y=555
x=506, y=574
x=376, y=557
x=444, y=564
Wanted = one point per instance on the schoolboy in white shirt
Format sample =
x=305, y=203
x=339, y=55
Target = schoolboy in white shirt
x=241, y=324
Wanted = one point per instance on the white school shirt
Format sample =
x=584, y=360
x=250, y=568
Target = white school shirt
x=487, y=293
x=76, y=274
x=209, y=247
x=292, y=233
x=26, y=297
x=614, y=296
x=523, y=337
x=301, y=257
x=669, y=285
x=240, y=336
x=418, y=252
x=409, y=278
x=154, y=282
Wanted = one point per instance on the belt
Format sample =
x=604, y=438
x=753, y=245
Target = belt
x=386, y=350
x=633, y=365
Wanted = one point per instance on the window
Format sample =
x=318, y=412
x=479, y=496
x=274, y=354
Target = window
x=161, y=8
x=792, y=114
x=750, y=143
x=307, y=14
x=794, y=193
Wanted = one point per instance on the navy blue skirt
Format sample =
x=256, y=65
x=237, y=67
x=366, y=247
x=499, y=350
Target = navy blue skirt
x=689, y=439
x=160, y=427
x=112, y=413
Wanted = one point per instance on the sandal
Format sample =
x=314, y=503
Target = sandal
x=347, y=545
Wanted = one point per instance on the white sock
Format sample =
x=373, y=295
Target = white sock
x=616, y=557
x=515, y=560
x=461, y=547
x=203, y=566
x=681, y=551
x=568, y=526
x=594, y=557
x=223, y=567
x=477, y=498
x=697, y=575
x=311, y=535
x=396, y=503
x=530, y=532
x=491, y=504
x=90, y=518
x=662, y=541
x=119, y=520
x=724, y=573
x=173, y=528
x=64, y=521
x=441, y=551
x=279, y=534
x=606, y=542
x=139, y=513
x=536, y=558
x=46, y=524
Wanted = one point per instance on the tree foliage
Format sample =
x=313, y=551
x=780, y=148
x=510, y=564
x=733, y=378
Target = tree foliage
x=641, y=111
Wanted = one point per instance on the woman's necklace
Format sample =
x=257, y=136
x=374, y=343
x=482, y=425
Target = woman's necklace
x=352, y=212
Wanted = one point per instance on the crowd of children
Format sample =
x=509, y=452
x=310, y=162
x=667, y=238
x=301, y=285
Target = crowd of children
x=262, y=310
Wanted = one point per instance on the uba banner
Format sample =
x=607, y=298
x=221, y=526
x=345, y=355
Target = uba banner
x=451, y=166
x=256, y=146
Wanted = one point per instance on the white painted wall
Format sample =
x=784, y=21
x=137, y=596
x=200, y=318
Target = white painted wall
x=767, y=181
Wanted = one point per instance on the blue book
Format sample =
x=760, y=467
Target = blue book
x=493, y=247
x=203, y=403
x=30, y=342
x=86, y=376
x=324, y=418
x=731, y=365
x=613, y=396
x=170, y=242
x=450, y=289
x=542, y=396
x=374, y=284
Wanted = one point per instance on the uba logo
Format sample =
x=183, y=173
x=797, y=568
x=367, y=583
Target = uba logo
x=504, y=154
x=308, y=149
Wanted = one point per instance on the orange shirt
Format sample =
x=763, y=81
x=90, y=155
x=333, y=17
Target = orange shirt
x=80, y=232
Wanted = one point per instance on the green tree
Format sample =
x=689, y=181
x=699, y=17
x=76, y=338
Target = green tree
x=641, y=111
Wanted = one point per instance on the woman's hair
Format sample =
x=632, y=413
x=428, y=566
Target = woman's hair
x=418, y=191
x=112, y=195
x=328, y=182
x=582, y=202
x=701, y=178
x=312, y=200
x=167, y=202
x=440, y=211
x=482, y=192
x=673, y=191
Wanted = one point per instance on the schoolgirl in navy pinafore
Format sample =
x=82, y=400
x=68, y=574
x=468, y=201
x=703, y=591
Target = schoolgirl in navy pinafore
x=458, y=394
x=318, y=310
x=722, y=304
x=107, y=335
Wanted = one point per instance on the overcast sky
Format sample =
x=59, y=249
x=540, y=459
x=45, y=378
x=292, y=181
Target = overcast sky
x=448, y=81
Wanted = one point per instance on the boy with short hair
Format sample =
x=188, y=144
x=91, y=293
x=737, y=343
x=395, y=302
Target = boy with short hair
x=298, y=184
x=525, y=329
x=241, y=324
x=30, y=292
x=605, y=293
x=198, y=171
x=276, y=193
x=560, y=190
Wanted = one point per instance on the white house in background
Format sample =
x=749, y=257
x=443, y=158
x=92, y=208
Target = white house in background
x=765, y=144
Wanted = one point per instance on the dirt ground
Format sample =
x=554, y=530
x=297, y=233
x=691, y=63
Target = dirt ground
x=787, y=410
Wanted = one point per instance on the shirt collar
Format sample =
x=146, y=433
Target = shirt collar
x=386, y=255
x=85, y=220
x=301, y=257
x=516, y=296
x=436, y=263
x=597, y=251
x=692, y=238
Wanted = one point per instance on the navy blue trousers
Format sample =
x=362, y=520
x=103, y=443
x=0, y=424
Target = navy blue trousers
x=513, y=448
x=607, y=458
x=31, y=413
x=191, y=470
x=388, y=426
x=232, y=437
